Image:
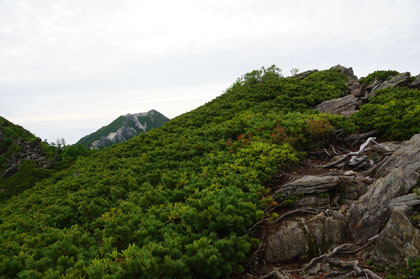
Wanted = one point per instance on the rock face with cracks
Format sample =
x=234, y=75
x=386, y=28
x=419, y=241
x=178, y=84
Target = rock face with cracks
x=407, y=157
x=368, y=215
x=342, y=106
x=304, y=239
x=399, y=241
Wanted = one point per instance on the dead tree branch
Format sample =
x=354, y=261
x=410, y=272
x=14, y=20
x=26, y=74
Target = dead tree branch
x=355, y=138
x=354, y=155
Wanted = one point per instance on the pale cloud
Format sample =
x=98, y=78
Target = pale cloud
x=71, y=66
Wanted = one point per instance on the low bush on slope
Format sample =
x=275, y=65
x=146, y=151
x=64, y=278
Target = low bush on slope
x=378, y=76
x=26, y=160
x=172, y=203
x=394, y=113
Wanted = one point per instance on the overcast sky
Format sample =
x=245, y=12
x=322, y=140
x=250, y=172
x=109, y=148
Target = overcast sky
x=68, y=67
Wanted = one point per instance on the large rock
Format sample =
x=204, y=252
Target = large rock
x=343, y=106
x=346, y=71
x=327, y=232
x=385, y=147
x=351, y=188
x=288, y=243
x=396, y=81
x=407, y=157
x=302, y=240
x=399, y=241
x=368, y=215
x=415, y=83
x=355, y=88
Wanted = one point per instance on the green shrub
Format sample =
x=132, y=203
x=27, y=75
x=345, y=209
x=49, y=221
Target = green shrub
x=26, y=177
x=393, y=112
x=379, y=76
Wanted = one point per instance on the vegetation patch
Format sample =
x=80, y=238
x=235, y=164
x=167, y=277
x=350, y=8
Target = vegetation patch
x=394, y=113
x=378, y=76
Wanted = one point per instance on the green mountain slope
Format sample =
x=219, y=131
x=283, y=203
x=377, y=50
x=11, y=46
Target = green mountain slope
x=174, y=202
x=26, y=160
x=123, y=128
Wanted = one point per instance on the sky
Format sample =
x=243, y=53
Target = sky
x=69, y=67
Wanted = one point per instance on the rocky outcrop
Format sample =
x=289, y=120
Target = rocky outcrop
x=355, y=88
x=343, y=106
x=300, y=239
x=399, y=241
x=346, y=71
x=359, y=94
x=407, y=157
x=368, y=215
x=352, y=187
x=288, y=243
x=25, y=150
x=325, y=232
x=396, y=81
x=415, y=83
x=365, y=211
x=305, y=74
x=385, y=147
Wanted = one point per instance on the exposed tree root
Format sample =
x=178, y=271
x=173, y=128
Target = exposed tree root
x=355, y=160
x=346, y=248
x=307, y=210
x=277, y=273
x=358, y=270
x=339, y=274
x=337, y=249
x=255, y=225
x=355, y=138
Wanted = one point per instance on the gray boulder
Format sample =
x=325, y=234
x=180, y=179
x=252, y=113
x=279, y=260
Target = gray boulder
x=368, y=214
x=288, y=243
x=351, y=188
x=415, y=83
x=406, y=157
x=396, y=81
x=302, y=240
x=343, y=106
x=327, y=232
x=385, y=147
x=355, y=88
x=399, y=241
x=346, y=71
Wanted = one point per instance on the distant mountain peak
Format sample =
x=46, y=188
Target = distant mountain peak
x=123, y=128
